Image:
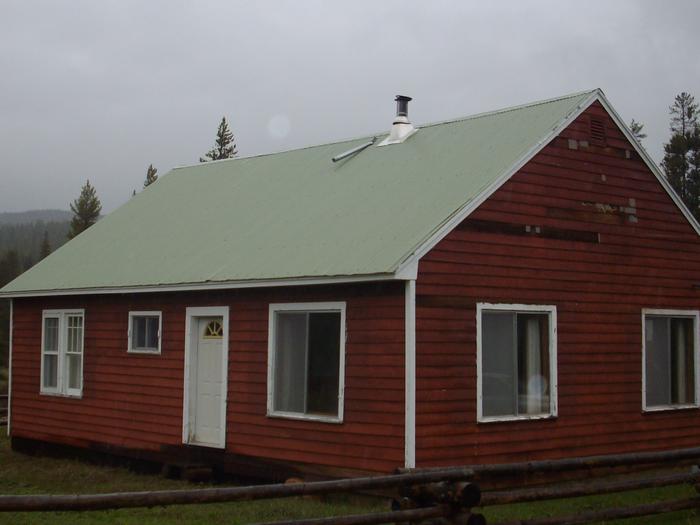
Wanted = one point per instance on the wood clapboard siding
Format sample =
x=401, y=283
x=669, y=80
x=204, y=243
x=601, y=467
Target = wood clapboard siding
x=135, y=401
x=599, y=291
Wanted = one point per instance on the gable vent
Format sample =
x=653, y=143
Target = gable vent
x=598, y=132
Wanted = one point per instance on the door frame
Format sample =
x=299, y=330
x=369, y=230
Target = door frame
x=191, y=318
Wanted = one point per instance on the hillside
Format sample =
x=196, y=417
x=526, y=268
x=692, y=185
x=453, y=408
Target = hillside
x=26, y=239
x=28, y=217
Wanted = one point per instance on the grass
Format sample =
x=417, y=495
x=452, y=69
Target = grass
x=564, y=507
x=21, y=474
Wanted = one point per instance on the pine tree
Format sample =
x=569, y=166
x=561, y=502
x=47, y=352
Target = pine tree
x=151, y=176
x=9, y=267
x=225, y=147
x=681, y=161
x=45, y=248
x=86, y=210
x=636, y=129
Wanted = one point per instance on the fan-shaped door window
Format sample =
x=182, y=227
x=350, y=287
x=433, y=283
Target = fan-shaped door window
x=214, y=329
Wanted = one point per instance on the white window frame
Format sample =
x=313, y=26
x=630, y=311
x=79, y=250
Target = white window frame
x=688, y=314
x=132, y=315
x=62, y=388
x=551, y=310
x=313, y=307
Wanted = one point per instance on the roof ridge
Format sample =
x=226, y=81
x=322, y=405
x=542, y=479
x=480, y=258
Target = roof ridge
x=513, y=108
x=382, y=133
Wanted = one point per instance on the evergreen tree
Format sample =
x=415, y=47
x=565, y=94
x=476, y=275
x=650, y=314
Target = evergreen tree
x=86, y=210
x=636, y=129
x=681, y=161
x=225, y=147
x=151, y=176
x=45, y=248
x=9, y=269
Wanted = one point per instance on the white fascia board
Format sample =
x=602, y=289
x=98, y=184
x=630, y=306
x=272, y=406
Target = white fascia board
x=9, y=370
x=225, y=285
x=410, y=379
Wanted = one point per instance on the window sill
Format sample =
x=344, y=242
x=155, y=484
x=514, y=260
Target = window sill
x=61, y=394
x=506, y=419
x=668, y=408
x=143, y=352
x=305, y=417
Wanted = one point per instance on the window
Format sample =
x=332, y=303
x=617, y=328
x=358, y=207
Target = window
x=516, y=362
x=214, y=330
x=62, y=352
x=306, y=361
x=144, y=332
x=670, y=350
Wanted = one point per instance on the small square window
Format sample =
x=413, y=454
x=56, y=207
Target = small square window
x=306, y=361
x=670, y=359
x=516, y=362
x=144, y=332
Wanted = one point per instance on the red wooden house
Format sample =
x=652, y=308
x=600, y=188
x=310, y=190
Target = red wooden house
x=516, y=285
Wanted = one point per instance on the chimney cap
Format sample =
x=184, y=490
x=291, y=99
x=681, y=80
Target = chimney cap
x=402, y=105
x=401, y=128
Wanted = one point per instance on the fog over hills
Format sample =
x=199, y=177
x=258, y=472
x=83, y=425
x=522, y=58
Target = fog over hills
x=28, y=217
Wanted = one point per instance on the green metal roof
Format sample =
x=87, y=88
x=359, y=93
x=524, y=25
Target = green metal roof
x=296, y=214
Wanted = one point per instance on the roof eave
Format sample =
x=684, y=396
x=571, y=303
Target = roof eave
x=221, y=285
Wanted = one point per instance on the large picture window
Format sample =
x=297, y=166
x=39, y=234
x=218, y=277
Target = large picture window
x=62, y=352
x=144, y=332
x=670, y=359
x=516, y=362
x=306, y=361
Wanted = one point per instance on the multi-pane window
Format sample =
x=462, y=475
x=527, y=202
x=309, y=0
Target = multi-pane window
x=516, y=365
x=62, y=352
x=306, y=356
x=670, y=359
x=144, y=332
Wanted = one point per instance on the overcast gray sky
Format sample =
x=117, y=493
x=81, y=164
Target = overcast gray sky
x=100, y=89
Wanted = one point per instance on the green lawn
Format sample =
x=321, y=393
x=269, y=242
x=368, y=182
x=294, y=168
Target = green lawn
x=20, y=474
x=566, y=507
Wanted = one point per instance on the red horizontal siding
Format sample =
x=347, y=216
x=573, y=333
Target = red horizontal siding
x=135, y=401
x=599, y=289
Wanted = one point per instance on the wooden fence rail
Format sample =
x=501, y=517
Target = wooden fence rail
x=584, y=489
x=570, y=464
x=434, y=496
x=120, y=500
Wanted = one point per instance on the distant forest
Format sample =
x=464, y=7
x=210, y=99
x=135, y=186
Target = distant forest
x=22, y=243
x=26, y=240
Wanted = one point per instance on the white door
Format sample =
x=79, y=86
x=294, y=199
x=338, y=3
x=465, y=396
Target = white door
x=207, y=381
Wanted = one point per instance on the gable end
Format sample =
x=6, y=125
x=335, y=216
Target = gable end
x=600, y=141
